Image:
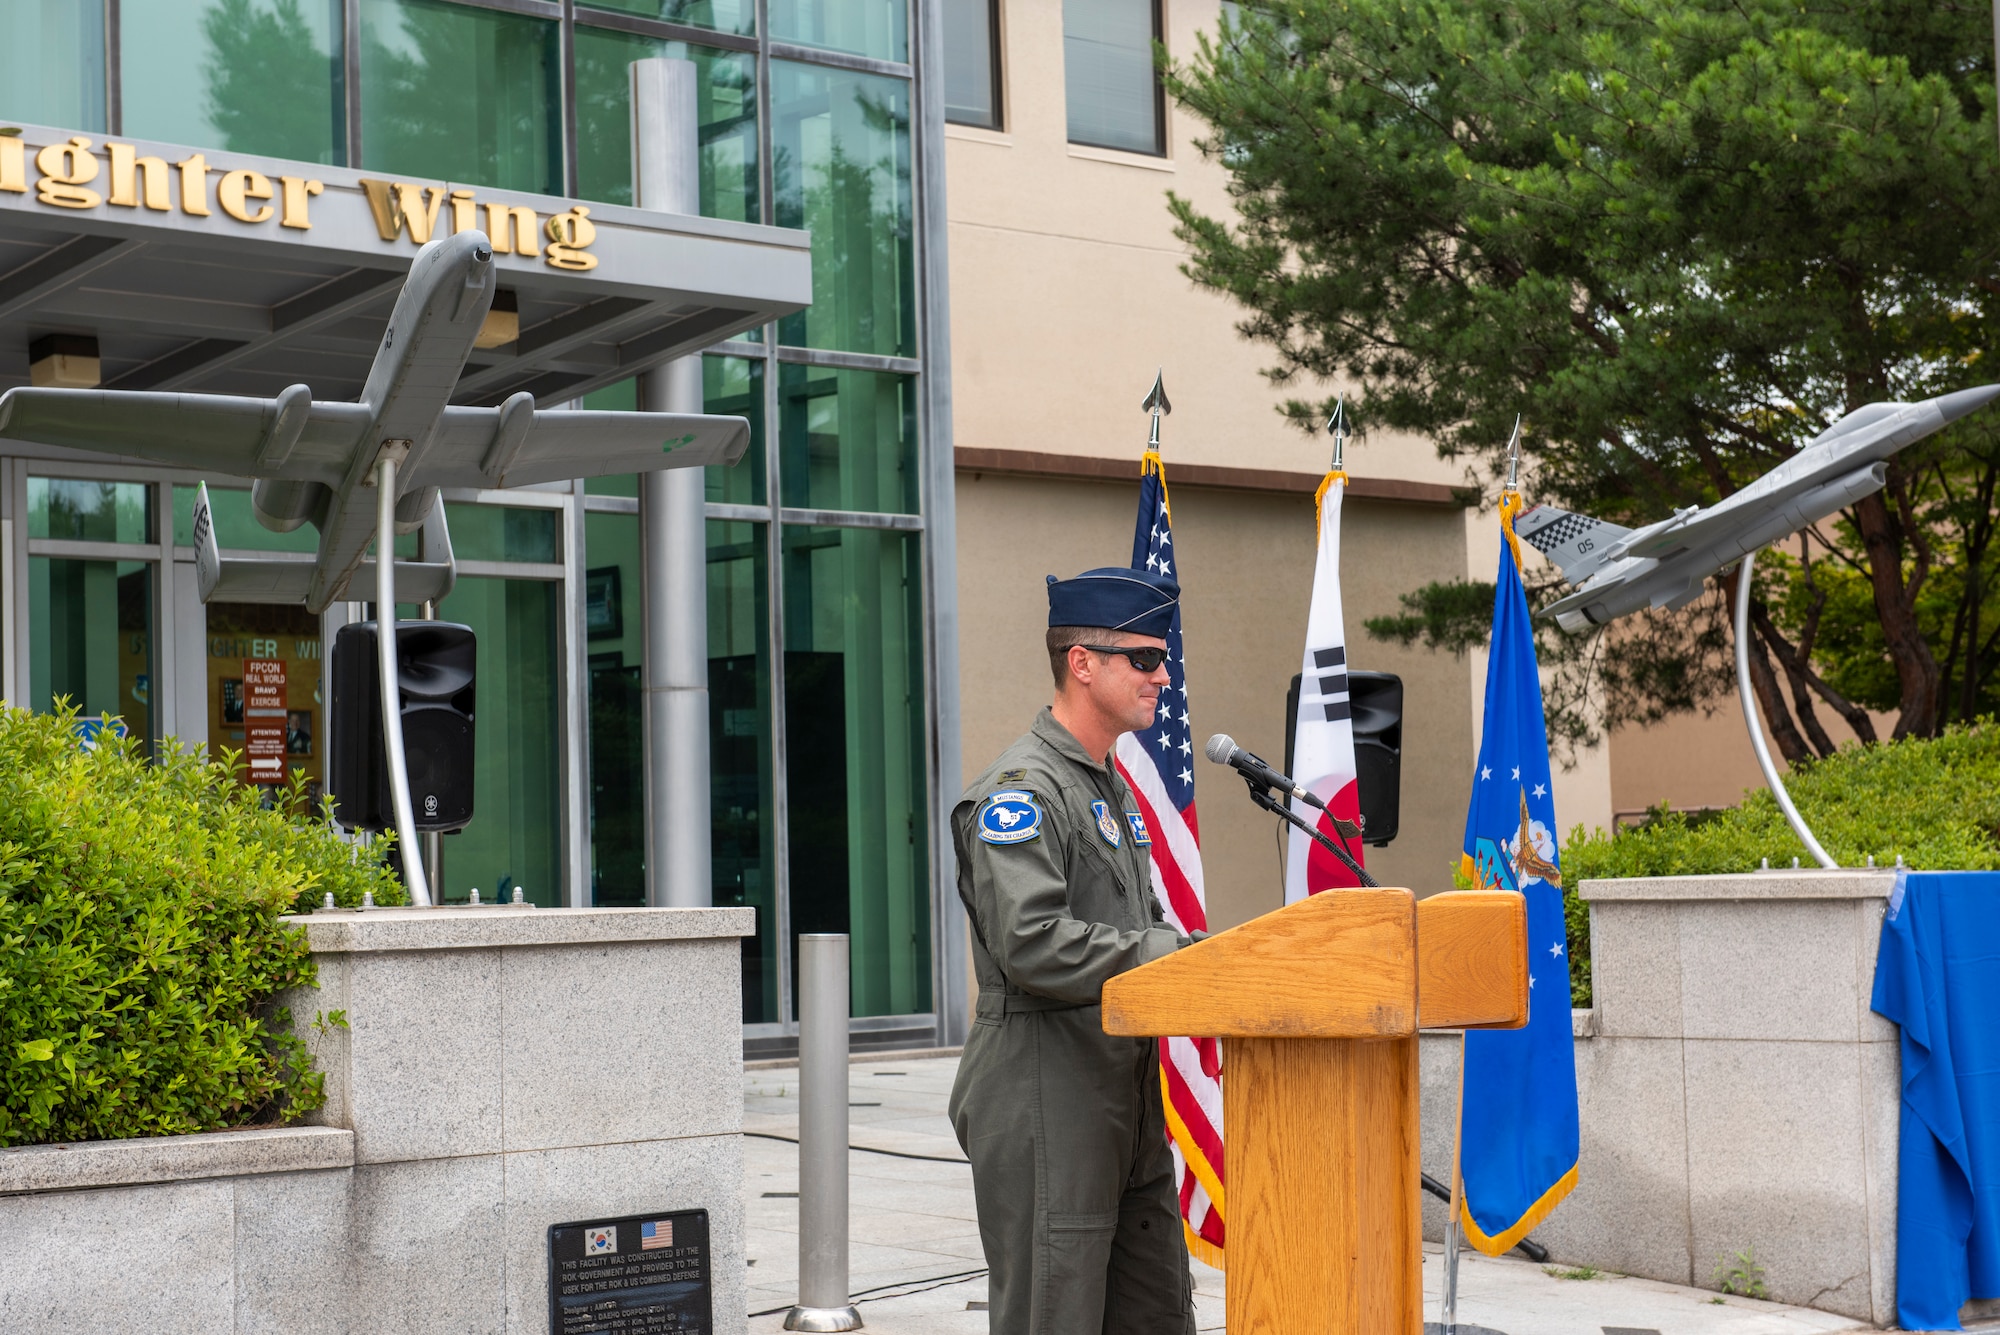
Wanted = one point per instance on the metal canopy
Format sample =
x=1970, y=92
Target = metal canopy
x=233, y=274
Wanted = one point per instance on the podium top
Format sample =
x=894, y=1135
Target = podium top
x=1375, y=963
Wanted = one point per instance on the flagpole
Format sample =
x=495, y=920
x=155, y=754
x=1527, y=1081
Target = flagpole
x=1448, y=1317
x=1453, y=1232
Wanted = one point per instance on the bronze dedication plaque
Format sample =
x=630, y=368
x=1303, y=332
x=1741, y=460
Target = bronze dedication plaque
x=640, y=1275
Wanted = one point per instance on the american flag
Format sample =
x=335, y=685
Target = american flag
x=655, y=1235
x=1158, y=765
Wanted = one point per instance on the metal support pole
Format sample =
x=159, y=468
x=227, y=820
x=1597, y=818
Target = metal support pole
x=666, y=162
x=408, y=846
x=1750, y=717
x=1448, y=1316
x=433, y=841
x=823, y=1008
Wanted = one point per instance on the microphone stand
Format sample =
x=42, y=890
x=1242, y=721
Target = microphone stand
x=1261, y=795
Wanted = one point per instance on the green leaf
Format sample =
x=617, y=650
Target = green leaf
x=37, y=1050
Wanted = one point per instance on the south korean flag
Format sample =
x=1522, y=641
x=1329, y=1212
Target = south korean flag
x=1323, y=758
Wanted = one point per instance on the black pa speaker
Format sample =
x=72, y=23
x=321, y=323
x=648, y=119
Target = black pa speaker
x=435, y=663
x=1376, y=699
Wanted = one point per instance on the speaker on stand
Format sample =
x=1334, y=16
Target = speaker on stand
x=436, y=662
x=1376, y=699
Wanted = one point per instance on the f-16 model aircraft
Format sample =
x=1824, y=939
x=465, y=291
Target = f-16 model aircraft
x=1617, y=571
x=316, y=462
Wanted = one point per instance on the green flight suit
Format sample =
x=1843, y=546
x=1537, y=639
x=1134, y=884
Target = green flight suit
x=1063, y=1123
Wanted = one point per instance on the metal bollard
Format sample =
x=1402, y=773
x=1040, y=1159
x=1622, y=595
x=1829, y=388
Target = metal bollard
x=823, y=1008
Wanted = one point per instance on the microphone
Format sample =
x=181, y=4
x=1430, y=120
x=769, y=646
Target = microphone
x=1223, y=750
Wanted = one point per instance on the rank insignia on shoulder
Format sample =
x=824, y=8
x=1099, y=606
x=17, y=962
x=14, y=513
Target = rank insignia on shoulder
x=1013, y=775
x=1009, y=818
x=1107, y=825
x=1140, y=834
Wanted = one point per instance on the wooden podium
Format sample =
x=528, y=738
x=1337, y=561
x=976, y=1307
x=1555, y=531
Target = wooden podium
x=1319, y=1005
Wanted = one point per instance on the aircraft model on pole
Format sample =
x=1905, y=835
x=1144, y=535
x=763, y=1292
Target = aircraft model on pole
x=364, y=471
x=1616, y=571
x=315, y=462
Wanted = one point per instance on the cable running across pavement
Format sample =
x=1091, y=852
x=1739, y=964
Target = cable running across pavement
x=865, y=1149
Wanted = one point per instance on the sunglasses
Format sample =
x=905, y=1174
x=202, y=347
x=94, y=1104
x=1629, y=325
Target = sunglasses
x=1145, y=658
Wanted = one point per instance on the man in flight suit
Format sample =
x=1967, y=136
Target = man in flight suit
x=1062, y=1122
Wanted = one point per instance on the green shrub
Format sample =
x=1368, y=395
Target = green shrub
x=140, y=945
x=1935, y=801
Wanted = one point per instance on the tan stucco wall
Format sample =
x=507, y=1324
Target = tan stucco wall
x=1247, y=558
x=1693, y=760
x=1066, y=290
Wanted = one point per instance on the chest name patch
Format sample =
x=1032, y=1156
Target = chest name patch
x=1107, y=824
x=1141, y=836
x=1009, y=818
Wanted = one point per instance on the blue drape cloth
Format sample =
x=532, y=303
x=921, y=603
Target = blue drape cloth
x=1938, y=977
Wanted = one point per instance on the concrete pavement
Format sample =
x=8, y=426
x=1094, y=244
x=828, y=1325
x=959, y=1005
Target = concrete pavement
x=916, y=1266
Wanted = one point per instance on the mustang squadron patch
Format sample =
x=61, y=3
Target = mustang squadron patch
x=1009, y=818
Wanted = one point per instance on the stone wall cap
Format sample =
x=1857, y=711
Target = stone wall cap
x=484, y=928
x=120, y=1163
x=1788, y=883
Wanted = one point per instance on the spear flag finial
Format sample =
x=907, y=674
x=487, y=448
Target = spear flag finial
x=1514, y=456
x=1156, y=404
x=1336, y=426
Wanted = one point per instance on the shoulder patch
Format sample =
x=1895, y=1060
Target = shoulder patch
x=1013, y=775
x=1107, y=825
x=1009, y=817
x=1140, y=834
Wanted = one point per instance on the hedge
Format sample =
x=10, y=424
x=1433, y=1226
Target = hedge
x=1934, y=801
x=140, y=941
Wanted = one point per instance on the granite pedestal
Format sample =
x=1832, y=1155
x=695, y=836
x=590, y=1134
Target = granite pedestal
x=1736, y=1092
x=499, y=1070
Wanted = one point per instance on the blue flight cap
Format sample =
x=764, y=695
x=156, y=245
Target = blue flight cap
x=1116, y=598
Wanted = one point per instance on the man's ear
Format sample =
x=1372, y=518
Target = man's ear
x=1081, y=666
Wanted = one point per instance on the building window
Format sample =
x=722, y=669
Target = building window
x=840, y=161
x=515, y=840
x=972, y=62
x=254, y=76
x=91, y=619
x=742, y=781
x=878, y=28
x=1108, y=77
x=854, y=773
x=732, y=16
x=52, y=63
x=847, y=439
x=726, y=107
x=461, y=94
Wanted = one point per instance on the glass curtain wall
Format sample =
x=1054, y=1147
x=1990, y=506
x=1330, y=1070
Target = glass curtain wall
x=815, y=539
x=815, y=637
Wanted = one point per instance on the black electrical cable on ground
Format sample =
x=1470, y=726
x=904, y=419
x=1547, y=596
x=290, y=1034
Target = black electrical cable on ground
x=865, y=1149
x=876, y=1295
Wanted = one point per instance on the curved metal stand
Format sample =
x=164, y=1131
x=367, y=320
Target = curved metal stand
x=1756, y=725
x=407, y=845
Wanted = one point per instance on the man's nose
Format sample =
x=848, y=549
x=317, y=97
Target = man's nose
x=1159, y=676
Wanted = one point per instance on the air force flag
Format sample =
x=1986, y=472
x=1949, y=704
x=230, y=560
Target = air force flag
x=1518, y=1128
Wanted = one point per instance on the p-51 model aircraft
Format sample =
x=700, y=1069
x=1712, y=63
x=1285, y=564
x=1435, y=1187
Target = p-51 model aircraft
x=315, y=462
x=1617, y=571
